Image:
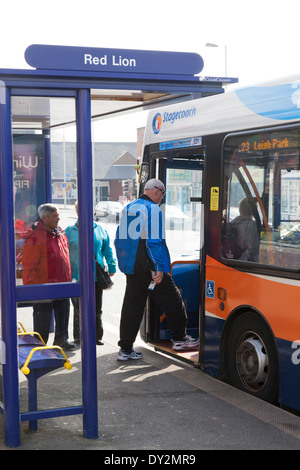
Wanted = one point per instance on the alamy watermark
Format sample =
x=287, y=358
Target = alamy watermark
x=296, y=354
x=140, y=221
x=2, y=352
x=2, y=92
x=296, y=93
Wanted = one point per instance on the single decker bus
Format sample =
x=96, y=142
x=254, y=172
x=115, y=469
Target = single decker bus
x=231, y=168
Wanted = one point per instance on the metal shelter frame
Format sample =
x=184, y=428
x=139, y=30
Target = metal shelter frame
x=77, y=84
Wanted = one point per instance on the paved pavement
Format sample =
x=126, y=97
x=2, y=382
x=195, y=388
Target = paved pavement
x=157, y=405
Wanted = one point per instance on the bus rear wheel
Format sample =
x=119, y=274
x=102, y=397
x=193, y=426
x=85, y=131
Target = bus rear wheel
x=252, y=358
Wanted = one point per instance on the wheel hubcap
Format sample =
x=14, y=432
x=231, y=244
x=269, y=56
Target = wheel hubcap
x=252, y=362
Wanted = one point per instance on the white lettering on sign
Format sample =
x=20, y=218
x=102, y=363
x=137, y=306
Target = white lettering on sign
x=89, y=59
x=123, y=61
x=116, y=61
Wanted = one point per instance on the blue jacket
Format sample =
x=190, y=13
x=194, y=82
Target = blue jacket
x=102, y=249
x=140, y=241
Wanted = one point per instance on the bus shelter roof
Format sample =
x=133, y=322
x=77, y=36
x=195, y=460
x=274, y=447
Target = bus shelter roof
x=158, y=78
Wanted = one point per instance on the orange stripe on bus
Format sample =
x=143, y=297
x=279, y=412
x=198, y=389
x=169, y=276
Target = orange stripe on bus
x=277, y=301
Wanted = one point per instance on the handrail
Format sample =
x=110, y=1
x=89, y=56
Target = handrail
x=25, y=369
x=32, y=333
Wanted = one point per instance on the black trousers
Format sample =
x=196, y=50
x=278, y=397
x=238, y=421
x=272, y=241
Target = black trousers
x=42, y=313
x=166, y=295
x=76, y=318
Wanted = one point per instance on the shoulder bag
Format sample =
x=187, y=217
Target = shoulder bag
x=103, y=278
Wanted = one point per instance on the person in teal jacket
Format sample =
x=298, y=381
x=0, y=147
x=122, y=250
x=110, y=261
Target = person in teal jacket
x=104, y=255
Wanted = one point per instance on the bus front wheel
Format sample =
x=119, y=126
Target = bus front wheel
x=252, y=358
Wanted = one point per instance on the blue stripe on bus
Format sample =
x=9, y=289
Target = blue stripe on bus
x=213, y=334
x=289, y=354
x=281, y=102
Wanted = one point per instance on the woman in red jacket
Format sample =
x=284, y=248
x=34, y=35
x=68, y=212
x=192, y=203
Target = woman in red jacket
x=46, y=260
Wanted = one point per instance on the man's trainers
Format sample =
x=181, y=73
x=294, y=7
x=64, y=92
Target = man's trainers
x=133, y=354
x=187, y=343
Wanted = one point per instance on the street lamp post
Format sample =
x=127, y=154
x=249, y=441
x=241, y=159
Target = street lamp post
x=210, y=44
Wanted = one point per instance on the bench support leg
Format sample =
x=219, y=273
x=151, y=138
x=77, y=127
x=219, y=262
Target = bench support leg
x=32, y=398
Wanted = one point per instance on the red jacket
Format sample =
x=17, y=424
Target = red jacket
x=46, y=256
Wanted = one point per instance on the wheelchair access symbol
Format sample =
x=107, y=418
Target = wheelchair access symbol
x=210, y=289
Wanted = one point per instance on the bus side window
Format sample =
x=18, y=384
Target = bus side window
x=261, y=216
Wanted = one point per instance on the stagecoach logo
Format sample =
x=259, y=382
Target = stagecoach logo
x=159, y=120
x=156, y=123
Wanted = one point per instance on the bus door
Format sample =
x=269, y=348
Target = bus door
x=183, y=219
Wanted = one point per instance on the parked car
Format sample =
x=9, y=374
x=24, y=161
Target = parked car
x=108, y=210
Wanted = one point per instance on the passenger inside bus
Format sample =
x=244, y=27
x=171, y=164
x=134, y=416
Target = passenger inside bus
x=241, y=239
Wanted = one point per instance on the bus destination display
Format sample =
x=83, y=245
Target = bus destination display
x=264, y=144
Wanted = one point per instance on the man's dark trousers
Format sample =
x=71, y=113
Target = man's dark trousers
x=166, y=295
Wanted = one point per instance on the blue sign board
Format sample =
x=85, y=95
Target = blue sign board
x=176, y=144
x=113, y=60
x=210, y=289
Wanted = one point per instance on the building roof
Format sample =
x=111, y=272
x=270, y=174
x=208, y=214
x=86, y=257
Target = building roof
x=106, y=154
x=122, y=168
x=125, y=159
x=121, y=172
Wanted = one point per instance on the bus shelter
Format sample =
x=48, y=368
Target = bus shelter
x=68, y=86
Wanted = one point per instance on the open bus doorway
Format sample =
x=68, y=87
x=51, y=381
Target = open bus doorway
x=183, y=224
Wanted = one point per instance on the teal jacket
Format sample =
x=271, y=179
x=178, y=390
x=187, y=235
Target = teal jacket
x=102, y=249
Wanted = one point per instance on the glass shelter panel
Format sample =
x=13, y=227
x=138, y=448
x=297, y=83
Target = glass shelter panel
x=261, y=216
x=44, y=171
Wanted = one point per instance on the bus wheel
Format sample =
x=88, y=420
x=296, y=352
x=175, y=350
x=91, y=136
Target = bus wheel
x=252, y=358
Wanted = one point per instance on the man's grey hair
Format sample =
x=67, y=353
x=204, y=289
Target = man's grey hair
x=46, y=210
x=151, y=184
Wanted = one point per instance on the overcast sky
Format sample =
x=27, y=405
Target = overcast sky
x=262, y=36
